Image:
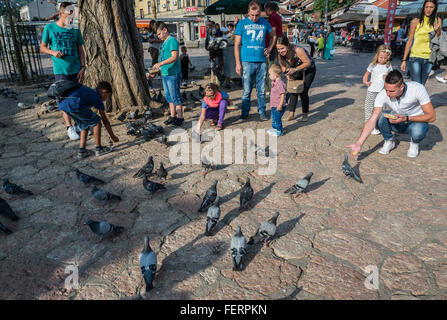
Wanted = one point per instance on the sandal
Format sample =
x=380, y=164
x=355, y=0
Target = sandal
x=214, y=122
x=219, y=127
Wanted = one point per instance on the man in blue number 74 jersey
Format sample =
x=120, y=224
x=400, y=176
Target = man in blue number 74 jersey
x=251, y=53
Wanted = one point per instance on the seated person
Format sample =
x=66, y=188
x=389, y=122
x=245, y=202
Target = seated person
x=77, y=105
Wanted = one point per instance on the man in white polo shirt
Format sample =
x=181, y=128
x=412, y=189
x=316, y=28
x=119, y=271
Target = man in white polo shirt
x=411, y=107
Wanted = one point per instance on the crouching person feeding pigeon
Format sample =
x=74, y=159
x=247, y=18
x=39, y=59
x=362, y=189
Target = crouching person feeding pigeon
x=77, y=105
x=214, y=107
x=411, y=111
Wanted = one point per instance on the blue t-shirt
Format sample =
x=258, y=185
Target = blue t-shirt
x=81, y=99
x=67, y=41
x=253, y=39
x=169, y=45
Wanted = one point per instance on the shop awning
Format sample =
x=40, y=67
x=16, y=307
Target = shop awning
x=343, y=24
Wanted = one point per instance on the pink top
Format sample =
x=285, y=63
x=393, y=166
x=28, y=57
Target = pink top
x=278, y=88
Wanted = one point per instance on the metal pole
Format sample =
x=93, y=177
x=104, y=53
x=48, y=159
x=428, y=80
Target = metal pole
x=38, y=10
x=325, y=13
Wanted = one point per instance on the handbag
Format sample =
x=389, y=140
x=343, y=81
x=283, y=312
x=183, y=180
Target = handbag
x=295, y=86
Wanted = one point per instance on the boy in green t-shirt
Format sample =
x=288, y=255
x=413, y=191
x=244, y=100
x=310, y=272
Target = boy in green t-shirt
x=65, y=45
x=171, y=75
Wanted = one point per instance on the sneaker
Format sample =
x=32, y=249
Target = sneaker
x=441, y=79
x=102, y=150
x=243, y=118
x=170, y=120
x=304, y=118
x=232, y=108
x=274, y=132
x=413, y=151
x=195, y=136
x=388, y=145
x=72, y=134
x=178, y=122
x=262, y=117
x=375, y=132
x=82, y=155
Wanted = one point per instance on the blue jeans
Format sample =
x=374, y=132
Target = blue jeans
x=276, y=119
x=416, y=130
x=171, y=86
x=419, y=69
x=253, y=72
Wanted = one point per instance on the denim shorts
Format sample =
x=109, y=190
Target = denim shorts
x=85, y=119
x=171, y=86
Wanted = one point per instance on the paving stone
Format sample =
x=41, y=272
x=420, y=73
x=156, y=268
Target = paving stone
x=292, y=246
x=404, y=272
x=356, y=251
x=78, y=252
x=432, y=216
x=431, y=252
x=255, y=278
x=324, y=277
x=232, y=292
x=353, y=219
x=96, y=292
x=441, y=276
x=397, y=232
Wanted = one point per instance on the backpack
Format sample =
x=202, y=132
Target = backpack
x=60, y=89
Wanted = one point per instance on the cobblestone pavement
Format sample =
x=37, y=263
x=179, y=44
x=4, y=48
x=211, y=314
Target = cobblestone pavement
x=396, y=220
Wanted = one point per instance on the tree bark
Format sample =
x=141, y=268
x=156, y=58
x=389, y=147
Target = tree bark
x=113, y=50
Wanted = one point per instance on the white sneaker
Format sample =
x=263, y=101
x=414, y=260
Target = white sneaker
x=388, y=145
x=375, y=132
x=432, y=72
x=72, y=134
x=413, y=151
x=441, y=79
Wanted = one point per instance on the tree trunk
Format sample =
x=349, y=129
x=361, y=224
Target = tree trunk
x=113, y=50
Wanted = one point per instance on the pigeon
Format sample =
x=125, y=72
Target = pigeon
x=102, y=228
x=146, y=170
x=212, y=216
x=103, y=195
x=4, y=228
x=147, y=114
x=266, y=231
x=155, y=129
x=201, y=91
x=36, y=99
x=123, y=116
x=301, y=185
x=5, y=210
x=206, y=165
x=259, y=151
x=148, y=264
x=146, y=134
x=209, y=198
x=21, y=105
x=14, y=189
x=163, y=139
x=133, y=115
x=161, y=172
x=151, y=186
x=238, y=249
x=349, y=171
x=133, y=132
x=246, y=195
x=86, y=179
x=51, y=107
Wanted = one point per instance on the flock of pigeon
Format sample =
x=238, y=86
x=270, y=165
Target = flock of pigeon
x=210, y=202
